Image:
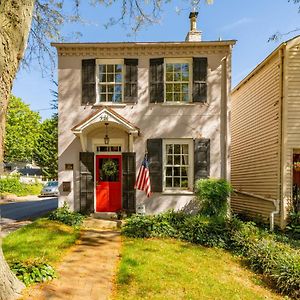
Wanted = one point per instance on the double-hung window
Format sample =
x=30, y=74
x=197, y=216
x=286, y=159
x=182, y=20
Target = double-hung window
x=178, y=80
x=178, y=162
x=110, y=80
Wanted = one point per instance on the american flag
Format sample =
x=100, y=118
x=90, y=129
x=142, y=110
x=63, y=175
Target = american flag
x=143, y=180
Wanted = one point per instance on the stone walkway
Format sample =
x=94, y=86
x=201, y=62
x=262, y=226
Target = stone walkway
x=87, y=271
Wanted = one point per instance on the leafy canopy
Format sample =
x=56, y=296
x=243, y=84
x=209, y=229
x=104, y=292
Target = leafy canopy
x=22, y=131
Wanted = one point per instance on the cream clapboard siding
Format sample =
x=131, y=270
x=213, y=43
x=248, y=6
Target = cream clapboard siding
x=292, y=115
x=255, y=139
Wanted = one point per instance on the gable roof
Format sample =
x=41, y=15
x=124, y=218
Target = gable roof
x=105, y=114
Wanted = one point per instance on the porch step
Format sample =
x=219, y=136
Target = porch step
x=105, y=215
x=96, y=223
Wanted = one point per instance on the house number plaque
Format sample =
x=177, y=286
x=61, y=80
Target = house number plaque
x=103, y=117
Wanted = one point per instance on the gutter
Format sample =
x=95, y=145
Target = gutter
x=275, y=203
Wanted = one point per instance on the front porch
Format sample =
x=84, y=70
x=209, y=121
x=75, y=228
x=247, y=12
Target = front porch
x=107, y=163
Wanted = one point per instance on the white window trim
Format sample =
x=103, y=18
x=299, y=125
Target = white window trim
x=190, y=144
x=173, y=61
x=112, y=61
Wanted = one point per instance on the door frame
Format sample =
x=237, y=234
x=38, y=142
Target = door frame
x=106, y=154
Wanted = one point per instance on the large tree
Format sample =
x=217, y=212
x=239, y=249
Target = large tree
x=22, y=131
x=45, y=150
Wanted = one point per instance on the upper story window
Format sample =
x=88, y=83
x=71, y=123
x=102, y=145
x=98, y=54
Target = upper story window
x=110, y=80
x=178, y=80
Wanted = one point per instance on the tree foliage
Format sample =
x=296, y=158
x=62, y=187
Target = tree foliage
x=22, y=131
x=45, y=150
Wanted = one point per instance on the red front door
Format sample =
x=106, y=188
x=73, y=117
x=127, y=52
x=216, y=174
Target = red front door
x=108, y=183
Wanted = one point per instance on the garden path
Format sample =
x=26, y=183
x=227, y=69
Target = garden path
x=87, y=271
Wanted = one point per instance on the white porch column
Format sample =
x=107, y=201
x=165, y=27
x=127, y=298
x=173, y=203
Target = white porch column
x=130, y=142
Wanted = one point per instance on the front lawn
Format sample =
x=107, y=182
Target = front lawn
x=172, y=269
x=42, y=240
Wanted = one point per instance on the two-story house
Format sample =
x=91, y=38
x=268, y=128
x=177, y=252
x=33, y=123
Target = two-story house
x=118, y=101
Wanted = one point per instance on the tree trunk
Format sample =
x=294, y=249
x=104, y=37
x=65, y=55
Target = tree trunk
x=10, y=286
x=15, y=21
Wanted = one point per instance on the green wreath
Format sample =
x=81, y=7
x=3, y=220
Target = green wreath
x=109, y=168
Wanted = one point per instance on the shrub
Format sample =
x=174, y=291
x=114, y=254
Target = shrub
x=12, y=185
x=31, y=272
x=212, y=195
x=64, y=215
x=294, y=224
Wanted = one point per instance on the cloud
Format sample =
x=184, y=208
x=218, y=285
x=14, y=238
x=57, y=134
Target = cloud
x=236, y=24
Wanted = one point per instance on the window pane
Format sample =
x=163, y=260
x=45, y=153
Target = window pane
x=110, y=68
x=169, y=77
x=177, y=87
x=177, y=76
x=118, y=88
x=169, y=67
x=177, y=67
x=176, y=171
x=110, y=97
x=184, y=149
x=102, y=68
x=185, y=68
x=184, y=171
x=169, y=182
x=184, y=182
x=176, y=97
x=177, y=149
x=117, y=98
x=169, y=171
x=102, y=88
x=110, y=77
x=118, y=68
x=102, y=97
x=176, y=159
x=102, y=77
x=185, y=88
x=169, y=149
x=185, y=160
x=118, y=78
x=176, y=182
x=169, y=160
x=169, y=97
x=169, y=87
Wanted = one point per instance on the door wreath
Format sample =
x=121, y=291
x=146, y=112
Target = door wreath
x=109, y=168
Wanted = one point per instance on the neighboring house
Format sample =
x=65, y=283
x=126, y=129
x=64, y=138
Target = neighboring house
x=266, y=136
x=119, y=100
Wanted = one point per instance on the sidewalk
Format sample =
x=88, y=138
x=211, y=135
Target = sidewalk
x=87, y=272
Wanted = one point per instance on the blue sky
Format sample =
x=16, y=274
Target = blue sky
x=250, y=22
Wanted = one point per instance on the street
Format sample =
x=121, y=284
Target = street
x=12, y=212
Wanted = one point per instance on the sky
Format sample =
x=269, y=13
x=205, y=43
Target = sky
x=250, y=22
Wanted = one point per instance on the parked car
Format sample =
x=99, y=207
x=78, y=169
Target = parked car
x=50, y=189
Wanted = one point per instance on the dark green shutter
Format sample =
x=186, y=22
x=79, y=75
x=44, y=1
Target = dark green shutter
x=86, y=182
x=129, y=173
x=88, y=72
x=154, y=147
x=201, y=158
x=131, y=81
x=200, y=79
x=156, y=80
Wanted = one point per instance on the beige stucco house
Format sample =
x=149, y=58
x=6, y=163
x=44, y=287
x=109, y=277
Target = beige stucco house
x=266, y=136
x=120, y=100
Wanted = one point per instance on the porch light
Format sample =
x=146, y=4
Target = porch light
x=106, y=138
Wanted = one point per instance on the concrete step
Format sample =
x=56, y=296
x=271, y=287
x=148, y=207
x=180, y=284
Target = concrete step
x=105, y=215
x=96, y=223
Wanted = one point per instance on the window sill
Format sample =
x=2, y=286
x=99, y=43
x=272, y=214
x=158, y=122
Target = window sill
x=177, y=192
x=179, y=104
x=109, y=104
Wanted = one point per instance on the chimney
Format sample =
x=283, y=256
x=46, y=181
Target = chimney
x=193, y=35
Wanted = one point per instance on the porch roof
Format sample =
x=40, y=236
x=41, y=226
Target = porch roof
x=104, y=115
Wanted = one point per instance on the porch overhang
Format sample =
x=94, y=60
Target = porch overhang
x=99, y=118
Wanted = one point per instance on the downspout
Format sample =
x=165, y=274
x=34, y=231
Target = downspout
x=275, y=203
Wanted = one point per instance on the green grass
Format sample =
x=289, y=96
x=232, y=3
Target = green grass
x=170, y=269
x=42, y=240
